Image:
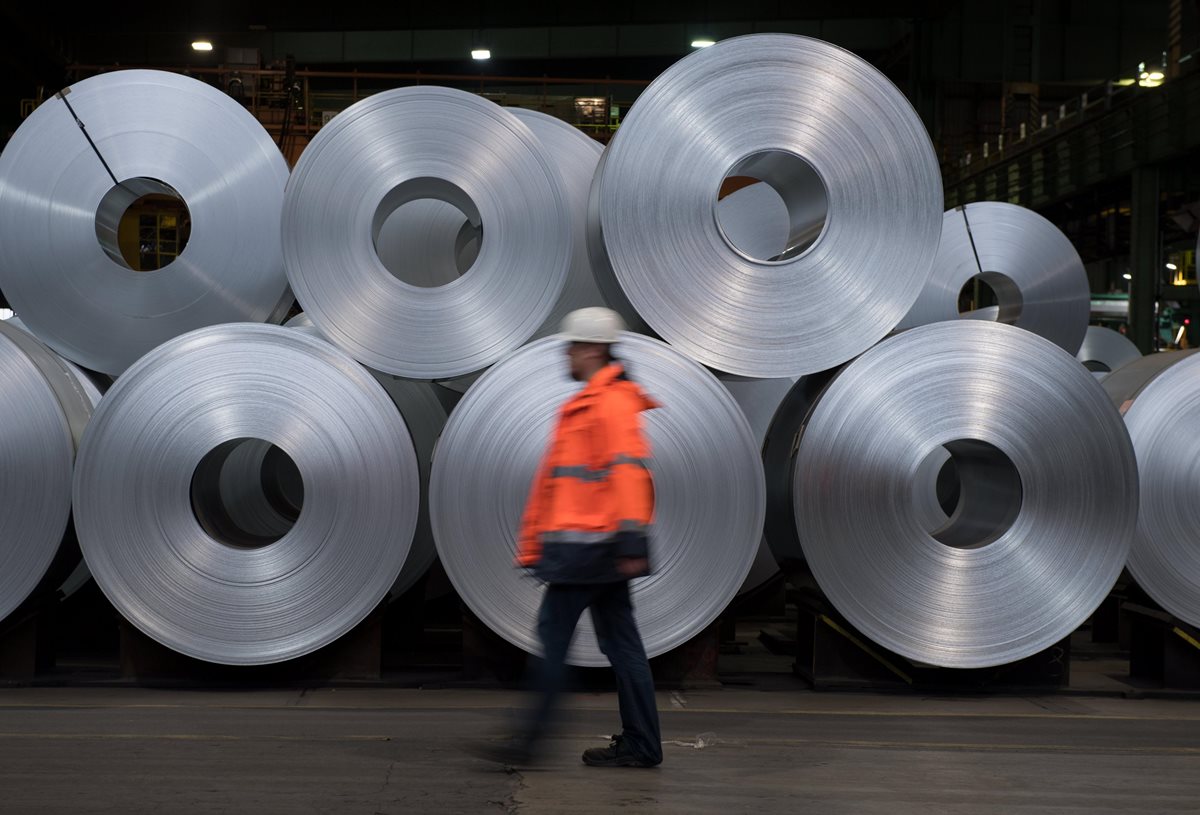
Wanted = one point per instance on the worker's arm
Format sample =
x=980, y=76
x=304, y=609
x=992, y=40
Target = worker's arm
x=630, y=479
x=529, y=547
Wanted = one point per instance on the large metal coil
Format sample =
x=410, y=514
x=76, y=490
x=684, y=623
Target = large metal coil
x=759, y=399
x=414, y=144
x=848, y=156
x=779, y=461
x=1048, y=500
x=148, y=507
x=1160, y=397
x=575, y=155
x=1104, y=351
x=1034, y=272
x=78, y=392
x=424, y=409
x=160, y=133
x=36, y=453
x=707, y=484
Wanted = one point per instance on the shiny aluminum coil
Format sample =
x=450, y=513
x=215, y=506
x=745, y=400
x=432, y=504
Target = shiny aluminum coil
x=71, y=385
x=1160, y=397
x=424, y=411
x=420, y=143
x=142, y=495
x=759, y=399
x=707, y=483
x=1048, y=505
x=59, y=210
x=823, y=127
x=779, y=460
x=1104, y=351
x=36, y=452
x=575, y=155
x=1035, y=272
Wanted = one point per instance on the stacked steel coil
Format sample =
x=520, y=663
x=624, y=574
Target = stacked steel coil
x=963, y=492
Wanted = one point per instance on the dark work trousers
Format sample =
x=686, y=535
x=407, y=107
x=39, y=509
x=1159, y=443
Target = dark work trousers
x=612, y=616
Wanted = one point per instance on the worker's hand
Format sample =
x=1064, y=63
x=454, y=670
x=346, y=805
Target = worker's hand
x=632, y=566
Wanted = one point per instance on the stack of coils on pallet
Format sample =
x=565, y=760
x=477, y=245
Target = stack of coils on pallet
x=767, y=215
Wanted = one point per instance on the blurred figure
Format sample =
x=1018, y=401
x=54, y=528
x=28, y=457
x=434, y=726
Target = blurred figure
x=585, y=533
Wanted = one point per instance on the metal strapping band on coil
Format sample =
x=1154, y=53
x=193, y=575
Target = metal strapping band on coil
x=1104, y=351
x=1160, y=397
x=848, y=156
x=424, y=413
x=1036, y=274
x=136, y=494
x=1048, y=506
x=413, y=144
x=60, y=265
x=707, y=486
x=36, y=452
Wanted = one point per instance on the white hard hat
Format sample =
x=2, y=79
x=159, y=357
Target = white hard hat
x=593, y=324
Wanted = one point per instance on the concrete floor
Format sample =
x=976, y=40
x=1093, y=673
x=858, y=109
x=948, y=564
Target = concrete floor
x=126, y=750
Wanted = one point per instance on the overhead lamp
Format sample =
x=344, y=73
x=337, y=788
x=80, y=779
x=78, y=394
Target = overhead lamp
x=6, y=313
x=1150, y=77
x=703, y=42
x=481, y=53
x=201, y=45
x=1127, y=276
x=1172, y=266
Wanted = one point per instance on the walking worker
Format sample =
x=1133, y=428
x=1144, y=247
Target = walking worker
x=585, y=533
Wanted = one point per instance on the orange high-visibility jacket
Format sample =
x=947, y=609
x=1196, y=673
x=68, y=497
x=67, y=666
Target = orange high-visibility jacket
x=592, y=500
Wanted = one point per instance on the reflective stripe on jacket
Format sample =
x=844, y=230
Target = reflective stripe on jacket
x=592, y=499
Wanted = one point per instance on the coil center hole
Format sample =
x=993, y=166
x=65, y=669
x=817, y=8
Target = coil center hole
x=990, y=296
x=143, y=224
x=772, y=228
x=980, y=490
x=427, y=232
x=247, y=493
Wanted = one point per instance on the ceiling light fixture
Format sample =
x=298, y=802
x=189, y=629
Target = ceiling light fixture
x=481, y=53
x=201, y=45
x=703, y=42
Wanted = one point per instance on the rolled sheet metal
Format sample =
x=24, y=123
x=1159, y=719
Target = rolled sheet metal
x=425, y=143
x=1104, y=351
x=69, y=389
x=138, y=512
x=759, y=399
x=59, y=210
x=1160, y=398
x=575, y=155
x=1049, y=494
x=708, y=487
x=424, y=410
x=834, y=137
x=36, y=453
x=779, y=461
x=1035, y=272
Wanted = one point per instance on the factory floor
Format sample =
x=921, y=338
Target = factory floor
x=387, y=750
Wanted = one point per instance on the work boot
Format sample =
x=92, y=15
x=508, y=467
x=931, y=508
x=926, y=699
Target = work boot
x=616, y=754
